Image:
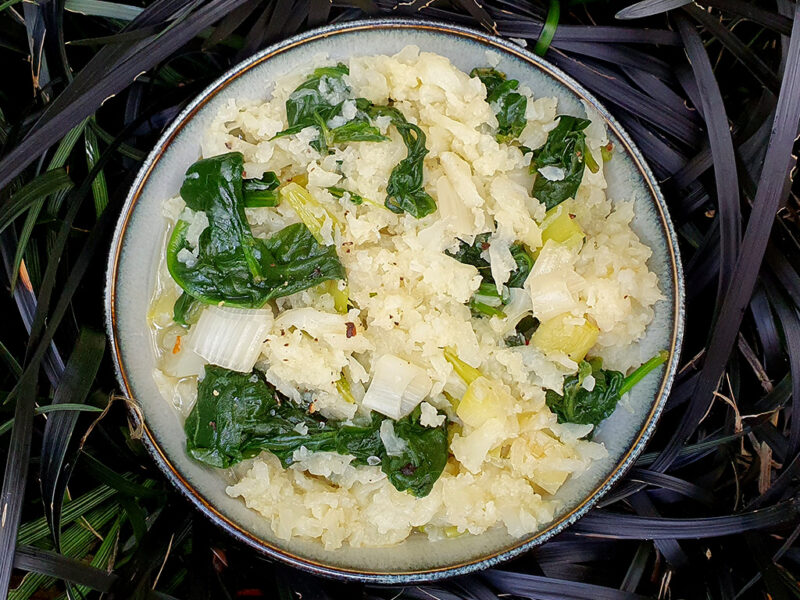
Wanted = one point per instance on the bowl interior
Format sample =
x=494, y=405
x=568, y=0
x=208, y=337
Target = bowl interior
x=140, y=237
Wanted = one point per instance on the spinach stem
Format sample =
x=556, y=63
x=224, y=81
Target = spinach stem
x=639, y=374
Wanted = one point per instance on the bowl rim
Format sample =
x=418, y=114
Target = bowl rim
x=416, y=575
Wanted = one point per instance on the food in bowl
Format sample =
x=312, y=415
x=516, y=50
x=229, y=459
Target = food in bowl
x=394, y=299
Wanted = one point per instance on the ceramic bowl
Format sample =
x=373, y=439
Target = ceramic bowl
x=138, y=242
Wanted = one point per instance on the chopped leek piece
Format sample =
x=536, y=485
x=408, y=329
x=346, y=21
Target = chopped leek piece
x=231, y=337
x=467, y=372
x=591, y=163
x=343, y=387
x=397, y=387
x=308, y=208
x=574, y=336
x=560, y=226
x=340, y=296
x=483, y=401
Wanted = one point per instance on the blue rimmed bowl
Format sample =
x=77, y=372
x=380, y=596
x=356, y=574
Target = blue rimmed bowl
x=137, y=246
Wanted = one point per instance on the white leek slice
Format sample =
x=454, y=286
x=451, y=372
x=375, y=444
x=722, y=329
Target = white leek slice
x=452, y=208
x=181, y=360
x=395, y=446
x=516, y=309
x=231, y=337
x=397, y=387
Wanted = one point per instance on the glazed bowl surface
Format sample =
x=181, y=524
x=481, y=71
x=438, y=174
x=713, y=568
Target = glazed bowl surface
x=139, y=239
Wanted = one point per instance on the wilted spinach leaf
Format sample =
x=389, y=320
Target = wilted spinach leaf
x=422, y=461
x=486, y=300
x=564, y=149
x=578, y=405
x=261, y=192
x=405, y=192
x=317, y=101
x=239, y=415
x=232, y=266
x=185, y=309
x=509, y=106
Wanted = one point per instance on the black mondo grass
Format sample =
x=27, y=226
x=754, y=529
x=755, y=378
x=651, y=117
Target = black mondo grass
x=709, y=90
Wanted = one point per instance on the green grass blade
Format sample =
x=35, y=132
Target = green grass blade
x=99, y=187
x=45, y=184
x=99, y=8
x=77, y=542
x=36, y=530
x=9, y=359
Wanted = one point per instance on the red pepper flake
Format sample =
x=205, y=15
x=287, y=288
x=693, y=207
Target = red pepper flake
x=312, y=409
x=177, y=347
x=351, y=329
x=485, y=245
x=228, y=145
x=571, y=216
x=250, y=593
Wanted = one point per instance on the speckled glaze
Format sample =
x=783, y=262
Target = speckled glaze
x=139, y=238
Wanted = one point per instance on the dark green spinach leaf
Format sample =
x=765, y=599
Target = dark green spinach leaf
x=239, y=415
x=508, y=105
x=487, y=301
x=565, y=149
x=185, y=310
x=231, y=265
x=317, y=101
x=422, y=461
x=262, y=192
x=405, y=191
x=578, y=405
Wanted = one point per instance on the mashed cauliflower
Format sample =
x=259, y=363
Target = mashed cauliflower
x=410, y=298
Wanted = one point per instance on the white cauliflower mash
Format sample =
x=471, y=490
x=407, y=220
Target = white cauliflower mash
x=413, y=329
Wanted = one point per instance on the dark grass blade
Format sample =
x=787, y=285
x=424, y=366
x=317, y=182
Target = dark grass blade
x=771, y=193
x=635, y=572
x=790, y=323
x=229, y=24
x=648, y=8
x=544, y=588
x=135, y=578
x=669, y=547
x=479, y=13
x=95, y=86
x=616, y=91
x=46, y=562
x=74, y=387
x=45, y=184
x=755, y=13
x=719, y=136
x=668, y=482
x=112, y=479
x=766, y=330
x=25, y=300
x=15, y=478
x=634, y=527
x=601, y=34
x=618, y=54
x=739, y=49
